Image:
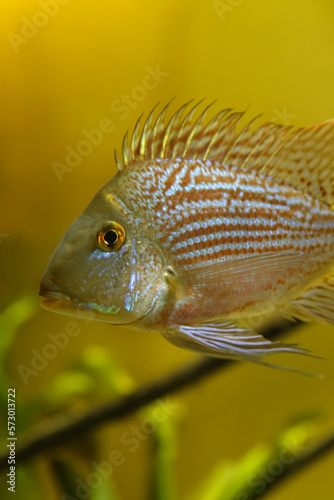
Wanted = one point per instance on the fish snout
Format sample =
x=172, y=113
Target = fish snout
x=50, y=290
x=53, y=298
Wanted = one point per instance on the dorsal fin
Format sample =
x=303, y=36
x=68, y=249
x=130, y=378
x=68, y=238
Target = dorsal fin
x=302, y=157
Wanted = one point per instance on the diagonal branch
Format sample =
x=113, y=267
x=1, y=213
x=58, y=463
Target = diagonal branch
x=66, y=428
x=319, y=451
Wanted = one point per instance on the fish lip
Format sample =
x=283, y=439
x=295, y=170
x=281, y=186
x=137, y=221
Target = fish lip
x=53, y=299
x=53, y=295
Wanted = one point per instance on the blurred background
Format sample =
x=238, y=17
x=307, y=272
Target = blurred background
x=67, y=66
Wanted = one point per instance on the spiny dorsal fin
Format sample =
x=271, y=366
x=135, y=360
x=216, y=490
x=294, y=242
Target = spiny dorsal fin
x=178, y=138
x=301, y=157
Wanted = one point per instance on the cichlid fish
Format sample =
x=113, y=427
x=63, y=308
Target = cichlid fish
x=203, y=231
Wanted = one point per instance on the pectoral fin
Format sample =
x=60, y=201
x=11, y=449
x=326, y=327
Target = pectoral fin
x=234, y=283
x=228, y=340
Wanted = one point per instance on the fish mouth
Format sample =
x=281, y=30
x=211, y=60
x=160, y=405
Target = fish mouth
x=48, y=294
x=53, y=299
x=58, y=302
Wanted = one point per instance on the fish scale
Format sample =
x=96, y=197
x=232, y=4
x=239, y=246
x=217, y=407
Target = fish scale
x=203, y=229
x=215, y=211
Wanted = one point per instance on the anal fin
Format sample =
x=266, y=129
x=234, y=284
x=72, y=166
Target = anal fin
x=315, y=305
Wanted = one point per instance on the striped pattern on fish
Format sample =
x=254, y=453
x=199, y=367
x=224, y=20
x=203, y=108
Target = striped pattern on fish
x=232, y=214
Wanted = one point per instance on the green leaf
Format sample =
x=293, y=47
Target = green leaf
x=164, y=452
x=23, y=309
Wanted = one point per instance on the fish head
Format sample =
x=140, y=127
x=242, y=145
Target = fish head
x=105, y=268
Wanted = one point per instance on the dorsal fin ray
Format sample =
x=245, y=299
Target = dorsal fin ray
x=126, y=151
x=184, y=132
x=171, y=131
x=145, y=140
x=224, y=137
x=195, y=138
x=158, y=132
x=251, y=153
x=238, y=138
x=302, y=158
x=135, y=139
x=213, y=128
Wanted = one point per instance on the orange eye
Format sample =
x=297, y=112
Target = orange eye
x=111, y=236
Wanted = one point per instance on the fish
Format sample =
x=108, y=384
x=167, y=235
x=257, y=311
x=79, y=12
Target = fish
x=207, y=228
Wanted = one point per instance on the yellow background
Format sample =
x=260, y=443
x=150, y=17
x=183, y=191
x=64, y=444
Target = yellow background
x=275, y=57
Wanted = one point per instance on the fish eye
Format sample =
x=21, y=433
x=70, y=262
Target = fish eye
x=110, y=237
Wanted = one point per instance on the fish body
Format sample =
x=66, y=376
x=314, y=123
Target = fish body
x=202, y=229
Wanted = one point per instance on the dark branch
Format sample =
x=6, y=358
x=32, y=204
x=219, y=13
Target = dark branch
x=319, y=451
x=65, y=429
